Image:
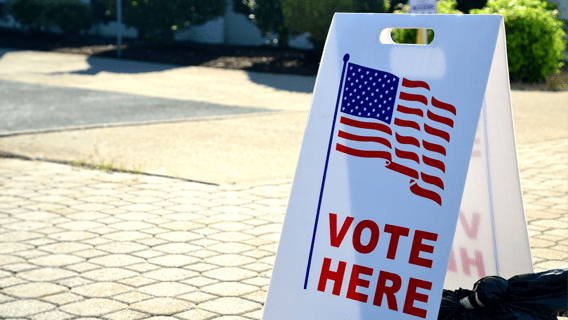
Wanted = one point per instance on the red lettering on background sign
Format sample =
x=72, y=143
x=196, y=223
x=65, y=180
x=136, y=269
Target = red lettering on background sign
x=472, y=229
x=467, y=262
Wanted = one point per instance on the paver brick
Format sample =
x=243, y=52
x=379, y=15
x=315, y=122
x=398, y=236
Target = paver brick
x=229, y=306
x=162, y=306
x=34, y=290
x=93, y=307
x=23, y=308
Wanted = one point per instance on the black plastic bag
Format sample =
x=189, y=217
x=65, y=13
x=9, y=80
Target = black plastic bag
x=533, y=296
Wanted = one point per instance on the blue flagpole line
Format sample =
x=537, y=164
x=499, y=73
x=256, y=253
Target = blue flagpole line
x=345, y=60
x=490, y=185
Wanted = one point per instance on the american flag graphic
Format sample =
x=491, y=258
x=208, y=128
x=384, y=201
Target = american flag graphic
x=397, y=120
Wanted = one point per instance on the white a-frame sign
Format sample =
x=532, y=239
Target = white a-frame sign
x=369, y=230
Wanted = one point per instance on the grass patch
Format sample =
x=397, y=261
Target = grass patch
x=106, y=167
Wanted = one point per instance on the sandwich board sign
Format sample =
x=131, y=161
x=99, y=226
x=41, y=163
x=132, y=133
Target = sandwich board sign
x=378, y=188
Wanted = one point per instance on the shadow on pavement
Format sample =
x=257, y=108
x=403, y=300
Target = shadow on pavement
x=98, y=64
x=284, y=82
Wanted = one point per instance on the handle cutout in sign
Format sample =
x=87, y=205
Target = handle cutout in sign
x=405, y=36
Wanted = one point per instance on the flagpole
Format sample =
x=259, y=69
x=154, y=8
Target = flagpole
x=345, y=60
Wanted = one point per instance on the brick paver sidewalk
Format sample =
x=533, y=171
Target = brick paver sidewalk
x=80, y=243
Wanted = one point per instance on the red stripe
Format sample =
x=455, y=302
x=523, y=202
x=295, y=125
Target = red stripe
x=363, y=153
x=413, y=97
x=404, y=109
x=353, y=137
x=407, y=140
x=366, y=125
x=436, y=132
x=443, y=105
x=432, y=180
x=434, y=117
x=434, y=163
x=406, y=123
x=434, y=147
x=424, y=193
x=414, y=84
x=403, y=169
x=407, y=155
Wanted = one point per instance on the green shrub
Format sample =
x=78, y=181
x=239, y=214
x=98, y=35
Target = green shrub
x=409, y=35
x=315, y=16
x=158, y=20
x=535, y=39
x=70, y=16
x=267, y=16
x=29, y=13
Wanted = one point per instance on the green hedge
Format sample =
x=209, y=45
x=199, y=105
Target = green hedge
x=535, y=39
x=70, y=16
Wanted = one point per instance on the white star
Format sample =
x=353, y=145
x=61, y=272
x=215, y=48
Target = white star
x=387, y=92
x=388, y=108
x=350, y=68
x=359, y=113
x=376, y=74
x=387, y=118
x=348, y=104
x=381, y=96
x=368, y=114
x=373, y=110
x=365, y=82
x=383, y=111
x=367, y=72
x=385, y=101
x=390, y=99
x=367, y=98
x=356, y=107
x=375, y=100
x=380, y=80
x=356, y=80
x=392, y=88
x=370, y=104
x=343, y=108
x=385, y=75
x=354, y=90
x=359, y=70
x=383, y=85
x=372, y=93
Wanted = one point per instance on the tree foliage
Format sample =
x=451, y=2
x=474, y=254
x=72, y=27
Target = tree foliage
x=158, y=20
x=535, y=39
x=267, y=16
x=315, y=16
x=70, y=16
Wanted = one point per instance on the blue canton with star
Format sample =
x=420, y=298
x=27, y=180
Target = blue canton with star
x=369, y=93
